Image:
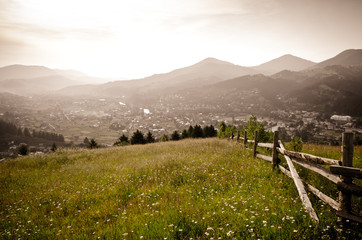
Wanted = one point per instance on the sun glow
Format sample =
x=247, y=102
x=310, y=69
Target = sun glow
x=137, y=38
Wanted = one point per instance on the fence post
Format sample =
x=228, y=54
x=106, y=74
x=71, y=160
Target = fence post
x=232, y=135
x=347, y=160
x=255, y=143
x=275, y=153
x=245, y=138
x=237, y=136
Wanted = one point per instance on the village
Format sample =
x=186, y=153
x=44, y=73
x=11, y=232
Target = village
x=105, y=119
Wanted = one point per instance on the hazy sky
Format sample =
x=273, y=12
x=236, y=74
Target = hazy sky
x=137, y=38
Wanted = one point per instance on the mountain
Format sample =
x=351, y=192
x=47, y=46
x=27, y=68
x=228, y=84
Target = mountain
x=30, y=80
x=39, y=85
x=206, y=72
x=25, y=72
x=286, y=62
x=332, y=89
x=348, y=57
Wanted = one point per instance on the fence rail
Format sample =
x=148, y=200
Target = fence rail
x=340, y=173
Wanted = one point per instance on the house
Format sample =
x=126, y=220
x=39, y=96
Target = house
x=341, y=118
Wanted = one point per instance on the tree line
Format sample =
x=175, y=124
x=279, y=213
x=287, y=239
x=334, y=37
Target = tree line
x=10, y=129
x=192, y=132
x=251, y=126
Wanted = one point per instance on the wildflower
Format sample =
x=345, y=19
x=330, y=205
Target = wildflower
x=229, y=233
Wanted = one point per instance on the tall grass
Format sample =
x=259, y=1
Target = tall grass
x=199, y=189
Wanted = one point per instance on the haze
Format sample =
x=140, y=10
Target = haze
x=132, y=39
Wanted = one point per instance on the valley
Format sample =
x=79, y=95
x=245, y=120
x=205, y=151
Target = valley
x=206, y=93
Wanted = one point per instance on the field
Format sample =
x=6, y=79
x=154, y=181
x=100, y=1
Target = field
x=191, y=189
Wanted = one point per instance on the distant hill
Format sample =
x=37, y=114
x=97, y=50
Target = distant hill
x=286, y=62
x=25, y=72
x=348, y=57
x=39, y=85
x=206, y=72
x=30, y=80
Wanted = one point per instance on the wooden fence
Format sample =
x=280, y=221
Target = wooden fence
x=340, y=173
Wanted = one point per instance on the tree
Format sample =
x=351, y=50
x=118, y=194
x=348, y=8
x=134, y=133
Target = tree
x=93, y=144
x=35, y=134
x=150, y=138
x=253, y=125
x=20, y=132
x=54, y=147
x=164, y=138
x=138, y=138
x=209, y=131
x=197, y=132
x=86, y=141
x=222, y=129
x=304, y=134
x=23, y=149
x=27, y=132
x=184, y=134
x=190, y=132
x=230, y=131
x=61, y=138
x=122, y=140
x=175, y=136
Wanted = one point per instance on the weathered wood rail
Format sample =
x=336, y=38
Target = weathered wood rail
x=340, y=173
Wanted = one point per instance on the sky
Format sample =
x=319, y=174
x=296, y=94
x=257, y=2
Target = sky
x=138, y=38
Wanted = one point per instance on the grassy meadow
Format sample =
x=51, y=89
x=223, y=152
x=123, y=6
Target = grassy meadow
x=190, y=189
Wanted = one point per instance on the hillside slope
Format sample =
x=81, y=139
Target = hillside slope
x=176, y=190
x=350, y=57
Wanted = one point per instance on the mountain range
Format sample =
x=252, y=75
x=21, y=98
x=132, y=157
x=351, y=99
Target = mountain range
x=325, y=86
x=32, y=80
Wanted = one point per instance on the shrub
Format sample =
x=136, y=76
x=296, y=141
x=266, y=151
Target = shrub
x=164, y=138
x=296, y=144
x=23, y=149
x=93, y=144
